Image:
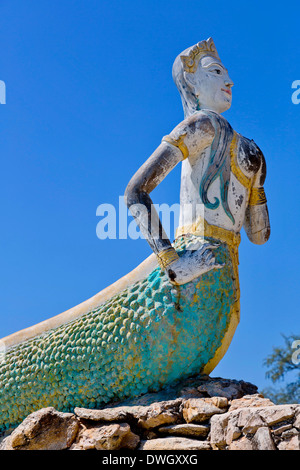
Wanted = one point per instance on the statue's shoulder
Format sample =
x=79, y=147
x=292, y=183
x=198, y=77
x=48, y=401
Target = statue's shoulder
x=197, y=121
x=197, y=131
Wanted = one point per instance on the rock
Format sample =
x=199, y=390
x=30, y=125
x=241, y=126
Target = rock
x=227, y=428
x=262, y=439
x=5, y=443
x=224, y=429
x=230, y=389
x=220, y=402
x=46, y=429
x=249, y=420
x=150, y=435
x=218, y=430
x=290, y=444
x=250, y=400
x=106, y=437
x=277, y=413
x=297, y=419
x=130, y=441
x=116, y=436
x=174, y=443
x=233, y=432
x=197, y=410
x=242, y=444
x=147, y=417
x=84, y=439
x=289, y=433
x=280, y=429
x=120, y=413
x=194, y=430
x=158, y=414
x=191, y=392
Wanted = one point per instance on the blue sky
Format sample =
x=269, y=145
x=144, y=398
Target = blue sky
x=89, y=97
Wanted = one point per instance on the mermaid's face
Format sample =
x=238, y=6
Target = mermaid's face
x=211, y=84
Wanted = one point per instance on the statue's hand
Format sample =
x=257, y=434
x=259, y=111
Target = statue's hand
x=197, y=260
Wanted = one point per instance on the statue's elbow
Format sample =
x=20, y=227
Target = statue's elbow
x=260, y=237
x=132, y=194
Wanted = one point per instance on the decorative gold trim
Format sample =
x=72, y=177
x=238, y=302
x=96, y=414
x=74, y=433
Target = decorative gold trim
x=179, y=143
x=227, y=338
x=240, y=176
x=190, y=62
x=166, y=257
x=257, y=197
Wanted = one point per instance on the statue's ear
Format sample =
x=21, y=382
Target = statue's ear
x=190, y=80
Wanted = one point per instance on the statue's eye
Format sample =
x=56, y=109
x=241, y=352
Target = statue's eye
x=217, y=71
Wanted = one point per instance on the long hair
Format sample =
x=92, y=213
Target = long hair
x=218, y=164
x=188, y=98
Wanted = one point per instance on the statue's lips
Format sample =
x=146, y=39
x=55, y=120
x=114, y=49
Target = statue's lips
x=227, y=91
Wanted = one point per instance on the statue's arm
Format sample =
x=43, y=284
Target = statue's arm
x=256, y=222
x=188, y=138
x=143, y=182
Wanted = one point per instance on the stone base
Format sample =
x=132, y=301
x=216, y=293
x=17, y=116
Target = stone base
x=201, y=413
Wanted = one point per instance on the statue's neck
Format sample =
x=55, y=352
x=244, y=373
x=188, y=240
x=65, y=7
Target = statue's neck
x=190, y=108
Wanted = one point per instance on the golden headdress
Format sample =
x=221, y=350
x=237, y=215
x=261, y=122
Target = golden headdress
x=190, y=62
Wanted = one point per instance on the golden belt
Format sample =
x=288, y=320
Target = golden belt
x=202, y=228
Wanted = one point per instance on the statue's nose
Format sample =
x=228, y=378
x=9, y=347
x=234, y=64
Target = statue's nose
x=228, y=82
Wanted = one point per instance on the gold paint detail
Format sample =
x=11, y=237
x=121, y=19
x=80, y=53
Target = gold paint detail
x=203, y=229
x=257, y=197
x=166, y=257
x=240, y=176
x=204, y=48
x=227, y=338
x=179, y=143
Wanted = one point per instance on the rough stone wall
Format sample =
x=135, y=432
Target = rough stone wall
x=201, y=413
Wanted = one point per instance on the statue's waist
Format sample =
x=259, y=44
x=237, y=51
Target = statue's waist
x=203, y=229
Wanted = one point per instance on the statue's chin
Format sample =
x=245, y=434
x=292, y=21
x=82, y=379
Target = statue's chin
x=224, y=107
x=219, y=108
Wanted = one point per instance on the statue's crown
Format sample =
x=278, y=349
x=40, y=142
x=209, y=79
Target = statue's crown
x=190, y=62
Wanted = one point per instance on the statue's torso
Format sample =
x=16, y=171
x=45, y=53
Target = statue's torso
x=243, y=161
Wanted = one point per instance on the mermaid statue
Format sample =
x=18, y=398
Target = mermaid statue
x=175, y=314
